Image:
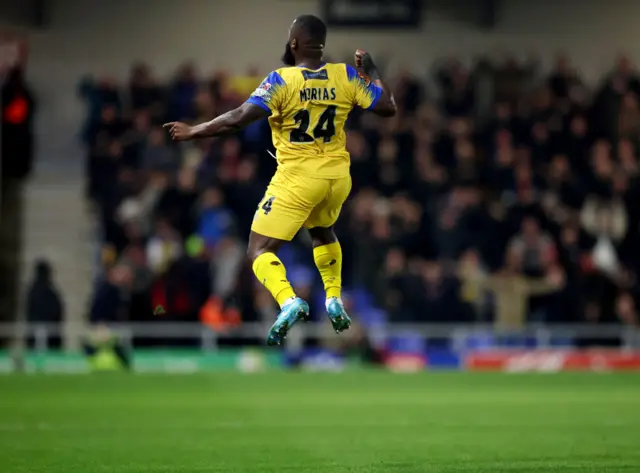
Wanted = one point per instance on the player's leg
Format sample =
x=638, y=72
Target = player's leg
x=268, y=268
x=327, y=252
x=327, y=255
x=285, y=207
x=271, y=272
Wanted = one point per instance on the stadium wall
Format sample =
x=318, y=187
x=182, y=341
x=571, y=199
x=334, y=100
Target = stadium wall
x=97, y=36
x=104, y=37
x=13, y=12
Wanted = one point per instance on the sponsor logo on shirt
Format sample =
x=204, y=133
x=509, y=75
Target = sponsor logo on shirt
x=263, y=90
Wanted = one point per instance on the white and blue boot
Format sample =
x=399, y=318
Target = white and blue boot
x=338, y=316
x=291, y=312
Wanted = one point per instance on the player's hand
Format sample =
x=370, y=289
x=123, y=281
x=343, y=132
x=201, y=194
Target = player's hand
x=179, y=131
x=365, y=65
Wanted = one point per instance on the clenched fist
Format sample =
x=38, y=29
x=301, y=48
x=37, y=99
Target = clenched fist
x=364, y=65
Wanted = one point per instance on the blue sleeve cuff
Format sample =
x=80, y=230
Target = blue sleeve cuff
x=376, y=96
x=260, y=103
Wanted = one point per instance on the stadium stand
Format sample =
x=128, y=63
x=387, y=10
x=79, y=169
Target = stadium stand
x=497, y=195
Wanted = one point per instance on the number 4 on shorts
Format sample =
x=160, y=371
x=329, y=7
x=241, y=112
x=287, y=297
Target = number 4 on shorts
x=266, y=206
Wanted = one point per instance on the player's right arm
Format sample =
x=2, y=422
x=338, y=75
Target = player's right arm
x=372, y=93
x=263, y=101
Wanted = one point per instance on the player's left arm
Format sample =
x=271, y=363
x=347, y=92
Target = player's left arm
x=227, y=123
x=376, y=93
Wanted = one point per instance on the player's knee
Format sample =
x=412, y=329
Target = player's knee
x=253, y=253
x=257, y=248
x=322, y=236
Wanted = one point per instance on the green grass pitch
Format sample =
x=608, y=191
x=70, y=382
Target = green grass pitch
x=321, y=423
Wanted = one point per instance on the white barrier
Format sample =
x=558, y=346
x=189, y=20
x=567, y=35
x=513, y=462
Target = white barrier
x=544, y=335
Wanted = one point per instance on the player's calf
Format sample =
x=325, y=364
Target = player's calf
x=327, y=255
x=271, y=272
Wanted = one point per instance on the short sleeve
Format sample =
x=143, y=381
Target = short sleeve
x=366, y=93
x=270, y=93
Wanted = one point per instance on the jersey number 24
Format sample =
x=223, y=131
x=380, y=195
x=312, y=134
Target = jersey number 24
x=325, y=128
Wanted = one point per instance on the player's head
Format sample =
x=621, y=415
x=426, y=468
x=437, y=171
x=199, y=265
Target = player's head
x=307, y=37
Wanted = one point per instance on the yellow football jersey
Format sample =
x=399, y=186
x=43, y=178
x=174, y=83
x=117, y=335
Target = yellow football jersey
x=308, y=109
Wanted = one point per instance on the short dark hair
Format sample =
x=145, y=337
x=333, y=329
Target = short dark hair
x=313, y=27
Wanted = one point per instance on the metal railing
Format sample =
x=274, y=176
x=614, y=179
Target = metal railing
x=544, y=336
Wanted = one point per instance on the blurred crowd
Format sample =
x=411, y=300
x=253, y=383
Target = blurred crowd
x=498, y=193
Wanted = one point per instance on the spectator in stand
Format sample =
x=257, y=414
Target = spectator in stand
x=623, y=78
x=184, y=287
x=363, y=173
x=512, y=77
x=98, y=95
x=136, y=138
x=563, y=80
x=391, y=178
x=164, y=247
x=138, y=208
x=215, y=220
x=458, y=92
x=533, y=247
x=112, y=295
x=628, y=158
x=44, y=303
x=626, y=310
x=511, y=289
x=157, y=155
x=183, y=93
x=144, y=92
x=245, y=194
x=392, y=286
x=471, y=273
x=408, y=92
x=629, y=116
x=177, y=204
x=439, y=300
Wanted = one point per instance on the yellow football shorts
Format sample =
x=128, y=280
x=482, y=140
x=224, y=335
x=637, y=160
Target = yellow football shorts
x=292, y=202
